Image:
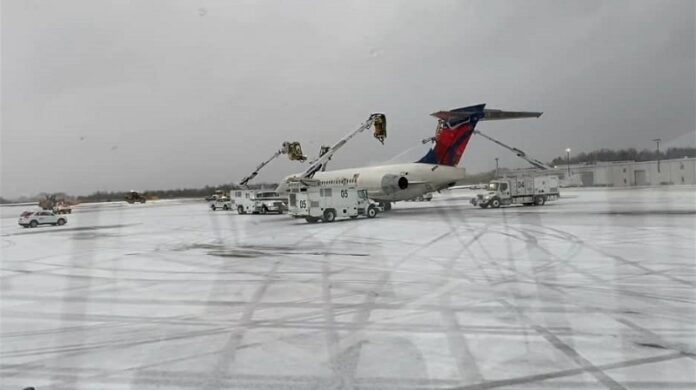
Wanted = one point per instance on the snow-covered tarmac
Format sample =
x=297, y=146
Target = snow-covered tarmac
x=597, y=290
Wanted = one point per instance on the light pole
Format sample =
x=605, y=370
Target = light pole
x=568, y=161
x=657, y=141
x=496, y=167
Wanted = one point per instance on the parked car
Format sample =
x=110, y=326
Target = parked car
x=36, y=218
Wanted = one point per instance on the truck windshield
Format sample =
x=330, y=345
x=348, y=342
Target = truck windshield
x=263, y=195
x=493, y=187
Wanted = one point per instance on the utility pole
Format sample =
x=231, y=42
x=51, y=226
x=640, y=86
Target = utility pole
x=496, y=167
x=657, y=141
x=568, y=161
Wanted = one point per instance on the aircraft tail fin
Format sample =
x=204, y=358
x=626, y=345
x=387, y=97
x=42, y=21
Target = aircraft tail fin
x=454, y=129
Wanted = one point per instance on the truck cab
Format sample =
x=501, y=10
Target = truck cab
x=496, y=193
x=269, y=202
x=314, y=202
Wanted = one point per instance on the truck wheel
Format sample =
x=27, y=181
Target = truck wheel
x=240, y=210
x=495, y=203
x=61, y=222
x=371, y=212
x=539, y=200
x=212, y=207
x=483, y=205
x=387, y=206
x=264, y=210
x=225, y=207
x=311, y=220
x=33, y=224
x=329, y=215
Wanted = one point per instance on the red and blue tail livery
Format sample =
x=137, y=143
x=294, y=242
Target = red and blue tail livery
x=455, y=128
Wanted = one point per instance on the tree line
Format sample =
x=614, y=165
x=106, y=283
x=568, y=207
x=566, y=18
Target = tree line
x=108, y=196
x=103, y=196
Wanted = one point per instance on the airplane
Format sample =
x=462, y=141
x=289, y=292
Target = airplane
x=435, y=171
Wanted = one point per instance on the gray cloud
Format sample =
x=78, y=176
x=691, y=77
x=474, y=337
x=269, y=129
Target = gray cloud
x=161, y=94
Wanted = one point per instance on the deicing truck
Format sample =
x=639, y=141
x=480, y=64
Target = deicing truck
x=525, y=190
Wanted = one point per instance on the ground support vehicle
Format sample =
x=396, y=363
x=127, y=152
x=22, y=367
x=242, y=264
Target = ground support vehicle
x=62, y=208
x=251, y=202
x=422, y=198
x=221, y=203
x=315, y=202
x=134, y=197
x=525, y=190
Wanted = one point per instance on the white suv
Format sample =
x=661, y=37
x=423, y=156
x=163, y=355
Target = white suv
x=36, y=218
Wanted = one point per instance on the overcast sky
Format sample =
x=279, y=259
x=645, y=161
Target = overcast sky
x=101, y=95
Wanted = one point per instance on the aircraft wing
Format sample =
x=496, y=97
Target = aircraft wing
x=488, y=114
x=491, y=115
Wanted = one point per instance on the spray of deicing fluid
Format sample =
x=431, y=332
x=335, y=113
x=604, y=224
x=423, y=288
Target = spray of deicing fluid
x=418, y=146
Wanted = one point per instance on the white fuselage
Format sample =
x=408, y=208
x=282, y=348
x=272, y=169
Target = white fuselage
x=391, y=183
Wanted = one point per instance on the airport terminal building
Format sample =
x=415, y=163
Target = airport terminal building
x=629, y=173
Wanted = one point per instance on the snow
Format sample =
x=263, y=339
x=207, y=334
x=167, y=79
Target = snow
x=596, y=290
